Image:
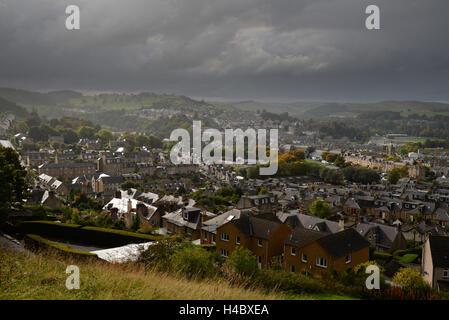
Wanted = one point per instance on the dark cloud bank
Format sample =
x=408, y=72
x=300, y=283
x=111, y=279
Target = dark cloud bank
x=234, y=49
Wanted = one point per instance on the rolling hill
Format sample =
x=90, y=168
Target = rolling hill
x=11, y=107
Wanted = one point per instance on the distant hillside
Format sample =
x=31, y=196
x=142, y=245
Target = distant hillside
x=352, y=110
x=59, y=101
x=30, y=98
x=10, y=107
x=295, y=109
x=57, y=104
x=343, y=110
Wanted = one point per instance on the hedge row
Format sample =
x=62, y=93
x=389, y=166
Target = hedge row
x=416, y=250
x=409, y=257
x=35, y=242
x=381, y=255
x=101, y=237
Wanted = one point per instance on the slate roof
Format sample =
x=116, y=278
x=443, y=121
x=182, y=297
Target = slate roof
x=310, y=222
x=68, y=165
x=226, y=217
x=258, y=227
x=351, y=203
x=177, y=218
x=300, y=236
x=385, y=235
x=441, y=215
x=342, y=243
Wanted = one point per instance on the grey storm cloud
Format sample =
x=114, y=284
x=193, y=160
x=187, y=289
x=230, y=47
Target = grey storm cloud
x=238, y=49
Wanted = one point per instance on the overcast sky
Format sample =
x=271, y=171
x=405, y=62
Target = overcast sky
x=231, y=49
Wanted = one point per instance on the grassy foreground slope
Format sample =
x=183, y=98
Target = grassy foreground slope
x=43, y=277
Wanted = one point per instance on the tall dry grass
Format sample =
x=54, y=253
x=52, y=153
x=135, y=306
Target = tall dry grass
x=43, y=277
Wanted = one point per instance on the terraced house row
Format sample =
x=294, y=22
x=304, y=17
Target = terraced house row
x=299, y=249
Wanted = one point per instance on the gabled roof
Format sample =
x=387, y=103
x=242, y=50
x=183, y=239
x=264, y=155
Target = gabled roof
x=385, y=235
x=258, y=227
x=312, y=222
x=342, y=243
x=300, y=236
x=226, y=217
x=441, y=215
x=351, y=203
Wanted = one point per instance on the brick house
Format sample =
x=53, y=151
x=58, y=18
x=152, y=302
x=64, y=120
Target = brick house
x=209, y=227
x=318, y=252
x=264, y=236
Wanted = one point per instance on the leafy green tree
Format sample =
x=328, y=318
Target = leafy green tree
x=252, y=172
x=129, y=184
x=154, y=142
x=193, y=262
x=105, y=135
x=70, y=135
x=12, y=181
x=21, y=126
x=141, y=140
x=360, y=175
x=37, y=134
x=243, y=261
x=411, y=280
x=397, y=173
x=320, y=209
x=86, y=132
x=158, y=254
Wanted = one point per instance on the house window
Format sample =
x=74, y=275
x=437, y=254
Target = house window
x=293, y=252
x=292, y=268
x=224, y=236
x=304, y=258
x=446, y=273
x=237, y=240
x=259, y=242
x=321, y=262
x=205, y=236
x=259, y=262
x=348, y=258
x=224, y=253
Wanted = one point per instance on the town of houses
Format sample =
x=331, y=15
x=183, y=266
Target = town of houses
x=275, y=224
